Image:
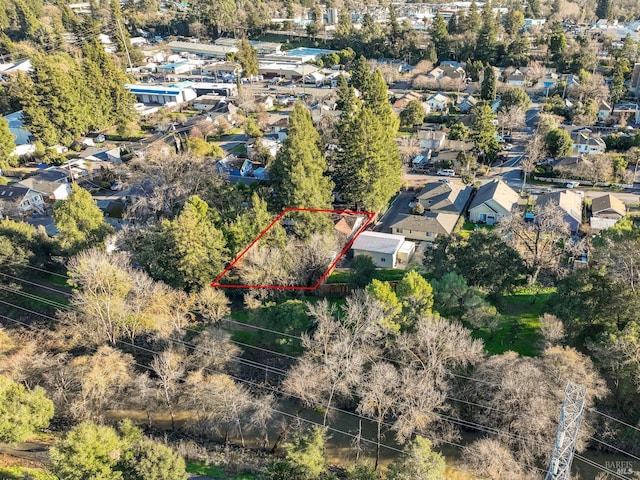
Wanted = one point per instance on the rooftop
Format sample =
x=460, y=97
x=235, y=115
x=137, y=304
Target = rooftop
x=439, y=223
x=378, y=242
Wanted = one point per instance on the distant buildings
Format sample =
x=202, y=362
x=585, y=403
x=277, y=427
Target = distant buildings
x=174, y=94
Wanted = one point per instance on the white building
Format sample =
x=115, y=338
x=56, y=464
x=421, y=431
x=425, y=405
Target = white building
x=386, y=250
x=163, y=95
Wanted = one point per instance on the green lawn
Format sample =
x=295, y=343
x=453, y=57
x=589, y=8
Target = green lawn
x=17, y=473
x=216, y=472
x=384, y=274
x=519, y=330
x=240, y=148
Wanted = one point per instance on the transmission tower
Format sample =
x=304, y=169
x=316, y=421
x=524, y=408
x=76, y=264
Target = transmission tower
x=567, y=433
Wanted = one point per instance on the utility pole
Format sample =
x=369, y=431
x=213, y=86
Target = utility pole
x=567, y=433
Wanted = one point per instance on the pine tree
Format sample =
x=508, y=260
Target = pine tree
x=484, y=134
x=370, y=163
x=603, y=9
x=440, y=37
x=486, y=41
x=248, y=58
x=473, y=19
x=618, y=88
x=488, y=87
x=55, y=104
x=7, y=143
x=107, y=88
x=299, y=173
x=119, y=32
x=376, y=98
x=361, y=74
x=197, y=245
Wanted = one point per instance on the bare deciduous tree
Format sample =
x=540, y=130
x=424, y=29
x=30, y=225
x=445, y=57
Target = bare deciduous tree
x=491, y=459
x=169, y=368
x=551, y=329
x=539, y=242
x=335, y=356
x=112, y=299
x=378, y=395
x=526, y=394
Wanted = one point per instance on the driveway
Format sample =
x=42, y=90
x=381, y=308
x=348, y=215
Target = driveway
x=400, y=205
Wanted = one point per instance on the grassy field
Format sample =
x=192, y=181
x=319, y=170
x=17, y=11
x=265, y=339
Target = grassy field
x=519, y=329
x=216, y=472
x=341, y=275
x=17, y=473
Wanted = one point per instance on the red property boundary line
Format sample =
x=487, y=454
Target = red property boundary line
x=370, y=217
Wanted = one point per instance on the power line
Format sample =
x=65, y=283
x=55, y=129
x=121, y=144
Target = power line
x=591, y=463
x=615, y=448
x=249, y=382
x=461, y=422
x=612, y=418
x=265, y=366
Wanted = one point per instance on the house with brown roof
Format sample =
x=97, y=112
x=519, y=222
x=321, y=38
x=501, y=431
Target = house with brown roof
x=606, y=211
x=424, y=227
x=493, y=201
x=608, y=206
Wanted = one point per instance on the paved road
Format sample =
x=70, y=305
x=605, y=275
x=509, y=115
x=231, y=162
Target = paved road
x=399, y=205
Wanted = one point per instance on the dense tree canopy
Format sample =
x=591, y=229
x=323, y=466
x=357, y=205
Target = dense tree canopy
x=80, y=221
x=22, y=412
x=299, y=173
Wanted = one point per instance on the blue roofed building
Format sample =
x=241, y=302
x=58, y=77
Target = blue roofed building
x=173, y=94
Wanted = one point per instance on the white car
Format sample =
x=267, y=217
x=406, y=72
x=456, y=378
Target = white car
x=117, y=186
x=446, y=172
x=572, y=184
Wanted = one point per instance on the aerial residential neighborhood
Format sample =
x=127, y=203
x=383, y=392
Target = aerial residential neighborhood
x=304, y=240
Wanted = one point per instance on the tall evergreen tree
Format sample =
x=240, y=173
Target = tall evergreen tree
x=118, y=31
x=7, y=143
x=248, y=58
x=618, y=89
x=488, y=87
x=603, y=9
x=472, y=19
x=55, y=102
x=112, y=103
x=484, y=134
x=440, y=37
x=193, y=249
x=299, y=173
x=361, y=74
x=370, y=162
x=486, y=41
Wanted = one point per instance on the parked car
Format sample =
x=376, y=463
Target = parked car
x=446, y=172
x=572, y=184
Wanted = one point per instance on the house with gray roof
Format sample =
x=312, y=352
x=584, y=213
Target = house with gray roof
x=386, y=250
x=493, y=201
x=441, y=197
x=569, y=202
x=18, y=201
x=426, y=227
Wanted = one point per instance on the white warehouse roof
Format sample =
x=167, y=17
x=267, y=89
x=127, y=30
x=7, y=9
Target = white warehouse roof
x=378, y=242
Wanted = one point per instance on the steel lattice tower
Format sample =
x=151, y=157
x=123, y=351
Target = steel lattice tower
x=567, y=433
